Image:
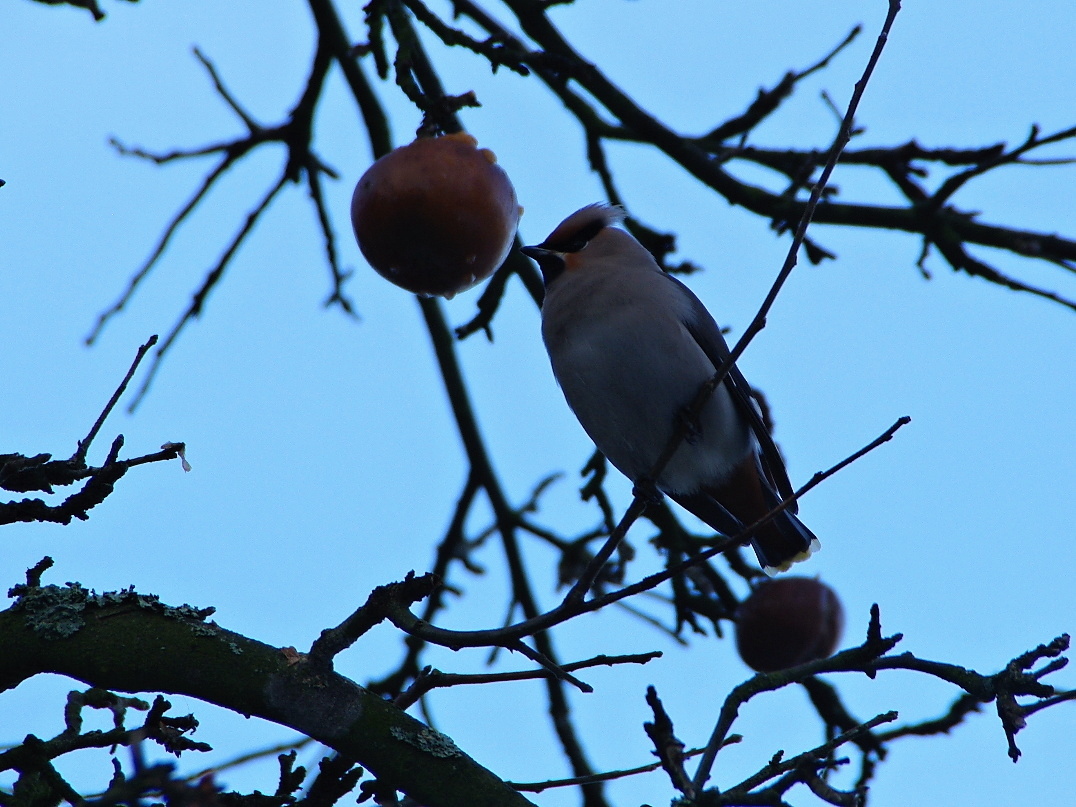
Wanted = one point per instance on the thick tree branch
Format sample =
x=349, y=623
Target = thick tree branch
x=128, y=642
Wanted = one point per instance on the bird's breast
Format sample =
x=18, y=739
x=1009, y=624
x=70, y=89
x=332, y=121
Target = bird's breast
x=628, y=371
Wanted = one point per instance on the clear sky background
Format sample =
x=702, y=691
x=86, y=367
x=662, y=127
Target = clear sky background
x=325, y=460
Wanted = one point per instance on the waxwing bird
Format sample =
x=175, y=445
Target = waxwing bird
x=630, y=347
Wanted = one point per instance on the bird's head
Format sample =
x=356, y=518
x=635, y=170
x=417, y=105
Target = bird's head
x=582, y=237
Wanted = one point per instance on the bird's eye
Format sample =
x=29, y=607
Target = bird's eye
x=576, y=239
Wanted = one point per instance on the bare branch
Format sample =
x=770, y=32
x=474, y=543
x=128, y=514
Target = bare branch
x=859, y=658
x=572, y=606
x=295, y=134
x=560, y=62
x=668, y=748
x=79, y=456
x=335, y=640
x=431, y=679
x=538, y=787
x=494, y=50
x=202, y=294
x=768, y=101
x=158, y=250
x=223, y=92
x=806, y=764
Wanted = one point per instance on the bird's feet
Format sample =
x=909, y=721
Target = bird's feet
x=646, y=490
x=687, y=422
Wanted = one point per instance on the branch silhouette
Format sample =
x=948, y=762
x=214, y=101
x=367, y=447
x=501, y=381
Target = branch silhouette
x=131, y=642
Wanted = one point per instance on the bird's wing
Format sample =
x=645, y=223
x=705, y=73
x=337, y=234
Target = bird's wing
x=702, y=327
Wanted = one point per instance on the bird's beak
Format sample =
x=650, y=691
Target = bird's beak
x=538, y=253
x=549, y=261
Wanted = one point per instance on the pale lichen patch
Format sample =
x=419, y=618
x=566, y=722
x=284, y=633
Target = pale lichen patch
x=57, y=612
x=428, y=740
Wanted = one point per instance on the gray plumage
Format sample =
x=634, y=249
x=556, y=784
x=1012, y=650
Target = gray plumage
x=631, y=346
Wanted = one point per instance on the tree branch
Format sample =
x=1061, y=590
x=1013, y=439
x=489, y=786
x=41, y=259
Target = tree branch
x=130, y=642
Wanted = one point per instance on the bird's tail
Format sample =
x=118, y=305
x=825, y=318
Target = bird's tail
x=783, y=541
x=741, y=501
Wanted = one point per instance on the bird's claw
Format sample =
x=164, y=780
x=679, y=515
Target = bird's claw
x=646, y=490
x=688, y=424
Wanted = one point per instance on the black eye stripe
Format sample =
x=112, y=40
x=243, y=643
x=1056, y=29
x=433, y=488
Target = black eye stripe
x=580, y=238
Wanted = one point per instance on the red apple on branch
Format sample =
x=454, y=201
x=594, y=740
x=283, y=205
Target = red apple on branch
x=436, y=216
x=788, y=621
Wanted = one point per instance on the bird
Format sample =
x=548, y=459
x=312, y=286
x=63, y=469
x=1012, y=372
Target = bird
x=631, y=346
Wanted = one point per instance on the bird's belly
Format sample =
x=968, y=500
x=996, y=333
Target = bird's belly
x=631, y=397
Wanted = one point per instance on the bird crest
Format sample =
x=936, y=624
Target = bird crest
x=572, y=234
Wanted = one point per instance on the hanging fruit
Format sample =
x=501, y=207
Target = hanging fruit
x=788, y=621
x=436, y=216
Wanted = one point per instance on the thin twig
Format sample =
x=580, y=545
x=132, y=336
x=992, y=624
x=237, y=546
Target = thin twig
x=538, y=787
x=84, y=445
x=229, y=99
x=777, y=767
x=569, y=608
x=821, y=476
x=431, y=679
x=158, y=250
x=208, y=284
x=250, y=756
x=768, y=100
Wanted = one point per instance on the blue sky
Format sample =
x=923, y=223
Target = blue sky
x=325, y=459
